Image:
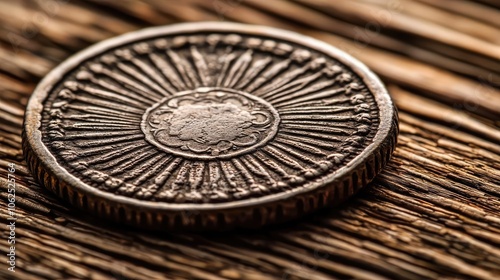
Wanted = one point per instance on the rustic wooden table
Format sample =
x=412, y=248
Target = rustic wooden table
x=433, y=213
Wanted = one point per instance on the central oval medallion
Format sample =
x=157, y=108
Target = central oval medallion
x=208, y=123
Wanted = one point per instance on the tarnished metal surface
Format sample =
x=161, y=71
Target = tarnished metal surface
x=208, y=126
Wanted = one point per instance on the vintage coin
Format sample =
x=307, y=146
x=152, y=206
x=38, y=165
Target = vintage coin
x=208, y=126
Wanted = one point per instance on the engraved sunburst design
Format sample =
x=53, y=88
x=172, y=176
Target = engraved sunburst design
x=208, y=118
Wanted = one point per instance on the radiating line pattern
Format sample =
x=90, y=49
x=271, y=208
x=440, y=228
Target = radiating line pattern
x=275, y=116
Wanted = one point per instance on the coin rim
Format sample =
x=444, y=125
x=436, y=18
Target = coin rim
x=33, y=116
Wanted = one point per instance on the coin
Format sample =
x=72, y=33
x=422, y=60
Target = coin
x=208, y=126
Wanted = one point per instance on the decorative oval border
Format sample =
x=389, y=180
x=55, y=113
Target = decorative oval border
x=273, y=128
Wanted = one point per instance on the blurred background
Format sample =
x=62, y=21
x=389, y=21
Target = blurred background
x=452, y=45
x=433, y=213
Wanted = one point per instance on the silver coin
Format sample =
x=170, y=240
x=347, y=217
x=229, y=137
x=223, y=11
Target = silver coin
x=208, y=126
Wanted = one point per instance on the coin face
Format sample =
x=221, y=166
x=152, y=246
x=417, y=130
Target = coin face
x=208, y=126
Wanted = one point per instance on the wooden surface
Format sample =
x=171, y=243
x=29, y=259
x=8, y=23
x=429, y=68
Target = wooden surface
x=433, y=213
